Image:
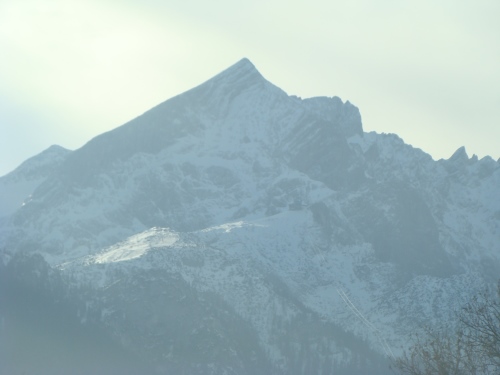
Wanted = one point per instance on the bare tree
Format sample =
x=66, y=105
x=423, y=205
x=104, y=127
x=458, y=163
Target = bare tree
x=480, y=319
x=472, y=349
x=438, y=354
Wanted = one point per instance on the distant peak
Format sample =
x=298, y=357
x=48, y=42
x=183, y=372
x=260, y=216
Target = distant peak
x=56, y=148
x=233, y=80
x=242, y=71
x=243, y=65
x=459, y=155
x=245, y=62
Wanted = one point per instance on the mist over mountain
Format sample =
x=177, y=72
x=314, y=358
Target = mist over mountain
x=235, y=229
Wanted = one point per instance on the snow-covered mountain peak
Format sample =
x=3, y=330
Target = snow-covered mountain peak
x=237, y=101
x=242, y=71
x=228, y=84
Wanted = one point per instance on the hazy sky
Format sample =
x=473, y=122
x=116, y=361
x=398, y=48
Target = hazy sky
x=426, y=70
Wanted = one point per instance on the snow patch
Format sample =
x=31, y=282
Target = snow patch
x=138, y=245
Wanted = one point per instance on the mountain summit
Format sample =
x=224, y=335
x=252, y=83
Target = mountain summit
x=234, y=226
x=235, y=118
x=241, y=74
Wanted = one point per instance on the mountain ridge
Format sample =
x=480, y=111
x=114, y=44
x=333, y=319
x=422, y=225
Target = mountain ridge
x=282, y=210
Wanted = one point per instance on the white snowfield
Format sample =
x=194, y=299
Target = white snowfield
x=138, y=245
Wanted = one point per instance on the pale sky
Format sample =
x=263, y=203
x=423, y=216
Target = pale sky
x=426, y=70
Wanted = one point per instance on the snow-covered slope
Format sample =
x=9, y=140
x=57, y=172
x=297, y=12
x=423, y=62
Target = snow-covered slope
x=320, y=241
x=17, y=186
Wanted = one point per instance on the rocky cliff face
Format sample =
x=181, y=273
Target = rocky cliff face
x=234, y=225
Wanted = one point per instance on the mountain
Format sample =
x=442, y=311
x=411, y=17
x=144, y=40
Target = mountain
x=235, y=229
x=18, y=185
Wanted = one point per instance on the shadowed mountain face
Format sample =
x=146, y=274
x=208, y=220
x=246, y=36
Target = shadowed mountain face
x=234, y=226
x=41, y=332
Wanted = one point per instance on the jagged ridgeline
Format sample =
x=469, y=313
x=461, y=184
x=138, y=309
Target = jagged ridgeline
x=236, y=229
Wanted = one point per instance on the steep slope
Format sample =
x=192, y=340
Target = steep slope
x=17, y=186
x=234, y=210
